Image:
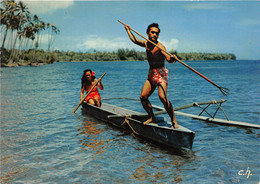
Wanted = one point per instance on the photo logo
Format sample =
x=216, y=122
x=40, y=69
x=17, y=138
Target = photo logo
x=246, y=173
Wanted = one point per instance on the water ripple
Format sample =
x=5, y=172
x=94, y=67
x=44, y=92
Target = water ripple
x=43, y=142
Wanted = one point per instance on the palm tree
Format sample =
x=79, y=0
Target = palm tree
x=7, y=17
x=51, y=37
x=22, y=16
x=38, y=26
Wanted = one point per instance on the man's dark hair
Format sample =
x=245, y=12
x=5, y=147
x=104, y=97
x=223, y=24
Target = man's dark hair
x=152, y=25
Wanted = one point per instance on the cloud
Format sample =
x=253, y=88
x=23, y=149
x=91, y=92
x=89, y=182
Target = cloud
x=45, y=6
x=104, y=44
x=171, y=45
x=202, y=6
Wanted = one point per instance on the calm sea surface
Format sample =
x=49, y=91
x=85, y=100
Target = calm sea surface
x=42, y=141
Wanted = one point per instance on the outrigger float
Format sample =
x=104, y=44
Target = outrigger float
x=160, y=132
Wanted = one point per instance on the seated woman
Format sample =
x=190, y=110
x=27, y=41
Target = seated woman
x=87, y=81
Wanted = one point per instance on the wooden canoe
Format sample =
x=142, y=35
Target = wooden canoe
x=160, y=132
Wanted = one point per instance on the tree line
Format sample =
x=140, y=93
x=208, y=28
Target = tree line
x=22, y=31
x=119, y=55
x=193, y=56
x=133, y=55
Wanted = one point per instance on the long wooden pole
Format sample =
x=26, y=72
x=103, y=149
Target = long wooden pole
x=89, y=92
x=162, y=111
x=224, y=91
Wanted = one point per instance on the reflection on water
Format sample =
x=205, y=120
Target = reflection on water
x=10, y=169
x=11, y=175
x=89, y=132
x=154, y=166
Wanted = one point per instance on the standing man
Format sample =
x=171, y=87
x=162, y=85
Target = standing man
x=157, y=75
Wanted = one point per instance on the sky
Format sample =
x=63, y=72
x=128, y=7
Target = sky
x=186, y=26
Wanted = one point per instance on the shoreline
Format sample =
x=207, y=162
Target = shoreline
x=22, y=64
x=42, y=64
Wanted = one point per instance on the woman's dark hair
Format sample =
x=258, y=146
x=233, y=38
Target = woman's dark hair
x=152, y=25
x=84, y=81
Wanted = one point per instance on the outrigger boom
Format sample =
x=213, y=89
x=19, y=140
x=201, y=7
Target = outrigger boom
x=211, y=118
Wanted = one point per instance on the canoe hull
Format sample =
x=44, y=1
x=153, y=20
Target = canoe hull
x=160, y=133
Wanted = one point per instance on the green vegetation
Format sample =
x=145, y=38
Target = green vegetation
x=120, y=55
x=133, y=55
x=27, y=57
x=22, y=31
x=205, y=56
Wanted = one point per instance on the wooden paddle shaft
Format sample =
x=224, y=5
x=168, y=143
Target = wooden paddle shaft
x=171, y=55
x=89, y=91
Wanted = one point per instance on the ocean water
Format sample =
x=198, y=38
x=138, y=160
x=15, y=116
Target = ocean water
x=42, y=141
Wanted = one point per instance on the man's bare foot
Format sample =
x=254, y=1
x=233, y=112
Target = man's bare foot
x=150, y=120
x=175, y=125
